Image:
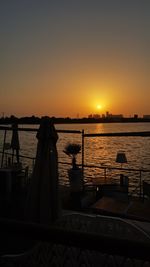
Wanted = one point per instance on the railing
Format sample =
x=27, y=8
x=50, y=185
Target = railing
x=138, y=190
x=83, y=136
x=104, y=178
x=120, y=134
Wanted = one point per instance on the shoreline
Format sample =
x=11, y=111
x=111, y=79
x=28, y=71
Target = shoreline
x=73, y=121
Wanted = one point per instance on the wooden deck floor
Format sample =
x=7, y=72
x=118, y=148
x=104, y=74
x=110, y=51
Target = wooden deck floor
x=132, y=208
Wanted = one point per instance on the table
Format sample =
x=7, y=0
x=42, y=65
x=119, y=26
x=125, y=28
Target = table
x=110, y=205
x=7, y=175
x=135, y=208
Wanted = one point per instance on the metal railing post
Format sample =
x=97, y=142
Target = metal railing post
x=140, y=183
x=83, y=155
x=105, y=174
x=3, y=148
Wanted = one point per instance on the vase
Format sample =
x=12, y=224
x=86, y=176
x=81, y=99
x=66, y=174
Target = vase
x=75, y=180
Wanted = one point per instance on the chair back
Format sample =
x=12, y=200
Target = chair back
x=146, y=189
x=26, y=171
x=124, y=180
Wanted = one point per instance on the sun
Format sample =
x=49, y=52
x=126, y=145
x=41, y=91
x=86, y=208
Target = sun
x=99, y=106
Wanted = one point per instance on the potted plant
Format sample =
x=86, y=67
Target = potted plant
x=75, y=173
x=72, y=150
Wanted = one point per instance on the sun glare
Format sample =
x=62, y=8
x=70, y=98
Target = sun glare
x=99, y=106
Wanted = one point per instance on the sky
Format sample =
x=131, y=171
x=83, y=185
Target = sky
x=72, y=58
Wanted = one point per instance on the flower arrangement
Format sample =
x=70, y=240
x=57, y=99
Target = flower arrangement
x=72, y=150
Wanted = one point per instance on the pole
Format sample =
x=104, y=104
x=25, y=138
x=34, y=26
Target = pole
x=3, y=148
x=140, y=184
x=105, y=174
x=83, y=156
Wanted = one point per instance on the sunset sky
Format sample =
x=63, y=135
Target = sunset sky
x=67, y=57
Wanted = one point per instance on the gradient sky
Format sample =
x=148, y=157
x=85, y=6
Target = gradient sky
x=63, y=58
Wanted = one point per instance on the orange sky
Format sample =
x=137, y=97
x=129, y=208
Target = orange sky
x=67, y=58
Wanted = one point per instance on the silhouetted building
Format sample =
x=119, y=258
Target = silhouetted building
x=107, y=114
x=90, y=116
x=94, y=116
x=146, y=116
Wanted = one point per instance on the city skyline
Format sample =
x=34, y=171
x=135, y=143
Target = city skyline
x=63, y=58
x=107, y=114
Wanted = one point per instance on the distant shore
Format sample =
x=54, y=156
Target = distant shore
x=36, y=120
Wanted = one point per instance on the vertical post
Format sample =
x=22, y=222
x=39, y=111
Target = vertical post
x=105, y=174
x=140, y=183
x=33, y=164
x=3, y=148
x=83, y=156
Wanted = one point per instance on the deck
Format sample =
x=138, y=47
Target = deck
x=133, y=208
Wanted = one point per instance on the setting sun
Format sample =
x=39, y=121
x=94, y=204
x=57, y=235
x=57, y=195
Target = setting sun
x=99, y=106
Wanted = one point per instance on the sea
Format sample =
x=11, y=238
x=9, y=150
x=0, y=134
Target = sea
x=99, y=152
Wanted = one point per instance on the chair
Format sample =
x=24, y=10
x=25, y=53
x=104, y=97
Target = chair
x=20, y=254
x=119, y=191
x=146, y=190
x=21, y=178
x=5, y=188
x=124, y=181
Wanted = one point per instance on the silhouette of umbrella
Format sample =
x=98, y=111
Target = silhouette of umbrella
x=15, y=141
x=43, y=200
